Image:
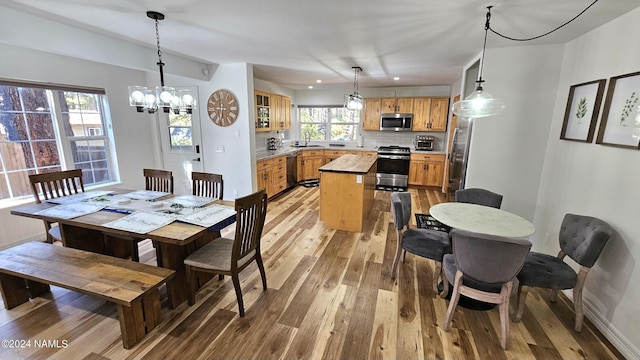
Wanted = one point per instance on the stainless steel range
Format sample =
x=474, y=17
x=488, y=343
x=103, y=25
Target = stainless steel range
x=393, y=168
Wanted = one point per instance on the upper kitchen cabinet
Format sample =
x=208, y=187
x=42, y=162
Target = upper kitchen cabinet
x=397, y=105
x=421, y=114
x=430, y=114
x=439, y=114
x=263, y=111
x=371, y=114
x=273, y=111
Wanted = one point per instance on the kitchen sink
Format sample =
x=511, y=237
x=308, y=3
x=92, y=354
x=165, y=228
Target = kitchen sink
x=301, y=146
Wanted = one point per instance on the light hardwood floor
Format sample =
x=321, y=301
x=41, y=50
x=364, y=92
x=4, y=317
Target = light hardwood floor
x=330, y=296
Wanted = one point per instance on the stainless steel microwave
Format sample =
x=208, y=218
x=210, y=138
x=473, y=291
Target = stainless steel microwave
x=396, y=122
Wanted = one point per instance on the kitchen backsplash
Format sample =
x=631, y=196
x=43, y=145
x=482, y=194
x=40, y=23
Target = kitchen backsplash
x=371, y=138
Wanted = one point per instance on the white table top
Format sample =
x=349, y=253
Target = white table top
x=482, y=219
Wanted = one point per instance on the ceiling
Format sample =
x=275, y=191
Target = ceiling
x=297, y=42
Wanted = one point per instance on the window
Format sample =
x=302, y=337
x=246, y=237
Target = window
x=334, y=123
x=180, y=131
x=50, y=128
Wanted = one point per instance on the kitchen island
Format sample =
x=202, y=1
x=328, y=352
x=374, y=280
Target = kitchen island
x=347, y=186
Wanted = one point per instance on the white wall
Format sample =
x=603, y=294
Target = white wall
x=598, y=181
x=507, y=150
x=237, y=162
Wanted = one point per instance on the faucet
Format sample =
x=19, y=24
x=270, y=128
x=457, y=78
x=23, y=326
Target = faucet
x=307, y=137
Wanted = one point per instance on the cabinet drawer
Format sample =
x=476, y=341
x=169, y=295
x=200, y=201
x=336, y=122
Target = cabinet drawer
x=335, y=153
x=427, y=157
x=263, y=164
x=279, y=160
x=279, y=177
x=312, y=153
x=280, y=167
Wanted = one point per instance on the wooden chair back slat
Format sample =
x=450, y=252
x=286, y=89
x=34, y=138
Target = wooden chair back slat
x=158, y=180
x=250, y=218
x=52, y=185
x=207, y=184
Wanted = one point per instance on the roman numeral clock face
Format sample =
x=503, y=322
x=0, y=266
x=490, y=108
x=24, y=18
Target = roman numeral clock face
x=223, y=107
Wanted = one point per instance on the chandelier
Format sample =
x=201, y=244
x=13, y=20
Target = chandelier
x=354, y=101
x=167, y=98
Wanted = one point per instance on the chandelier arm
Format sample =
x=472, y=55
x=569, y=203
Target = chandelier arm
x=547, y=33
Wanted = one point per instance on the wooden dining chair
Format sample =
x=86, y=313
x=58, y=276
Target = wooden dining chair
x=230, y=256
x=483, y=267
x=158, y=180
x=51, y=185
x=207, y=184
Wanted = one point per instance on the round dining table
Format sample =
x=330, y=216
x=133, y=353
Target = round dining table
x=482, y=219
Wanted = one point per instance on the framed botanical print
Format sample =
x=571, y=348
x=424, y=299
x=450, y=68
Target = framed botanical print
x=581, y=114
x=620, y=124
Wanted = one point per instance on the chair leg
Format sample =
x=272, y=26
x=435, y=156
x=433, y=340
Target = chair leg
x=577, y=298
x=523, y=290
x=436, y=276
x=262, y=273
x=504, y=314
x=236, y=285
x=191, y=279
x=454, y=301
x=445, y=285
x=394, y=267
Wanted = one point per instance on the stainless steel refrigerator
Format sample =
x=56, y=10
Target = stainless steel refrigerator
x=459, y=155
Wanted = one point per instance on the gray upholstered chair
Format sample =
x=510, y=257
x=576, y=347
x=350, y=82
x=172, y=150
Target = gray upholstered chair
x=582, y=238
x=483, y=267
x=230, y=256
x=479, y=196
x=430, y=244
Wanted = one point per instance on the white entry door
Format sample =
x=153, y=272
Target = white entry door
x=181, y=147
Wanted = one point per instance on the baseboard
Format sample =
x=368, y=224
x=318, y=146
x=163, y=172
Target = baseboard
x=617, y=339
x=37, y=237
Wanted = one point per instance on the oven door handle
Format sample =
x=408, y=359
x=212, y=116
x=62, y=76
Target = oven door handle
x=394, y=157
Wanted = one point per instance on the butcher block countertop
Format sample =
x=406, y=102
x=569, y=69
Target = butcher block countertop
x=354, y=164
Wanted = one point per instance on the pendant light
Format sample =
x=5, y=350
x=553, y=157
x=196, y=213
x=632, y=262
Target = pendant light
x=354, y=101
x=167, y=98
x=480, y=103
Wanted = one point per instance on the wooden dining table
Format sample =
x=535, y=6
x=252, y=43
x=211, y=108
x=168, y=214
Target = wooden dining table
x=174, y=241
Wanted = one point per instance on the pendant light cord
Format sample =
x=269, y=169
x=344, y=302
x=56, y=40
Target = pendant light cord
x=160, y=63
x=535, y=37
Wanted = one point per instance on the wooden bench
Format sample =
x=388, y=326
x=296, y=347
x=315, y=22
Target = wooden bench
x=27, y=270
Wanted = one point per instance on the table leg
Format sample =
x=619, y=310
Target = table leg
x=14, y=291
x=83, y=239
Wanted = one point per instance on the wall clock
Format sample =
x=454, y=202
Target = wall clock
x=222, y=107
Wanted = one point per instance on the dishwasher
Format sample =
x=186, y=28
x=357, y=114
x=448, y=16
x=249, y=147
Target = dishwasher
x=292, y=169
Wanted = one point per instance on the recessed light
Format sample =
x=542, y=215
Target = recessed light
x=318, y=81
x=396, y=78
x=310, y=86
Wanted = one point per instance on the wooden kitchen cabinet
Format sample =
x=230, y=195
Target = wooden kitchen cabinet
x=371, y=119
x=330, y=155
x=397, y=105
x=421, y=114
x=430, y=114
x=263, y=111
x=272, y=175
x=426, y=169
x=309, y=161
x=439, y=114
x=273, y=111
